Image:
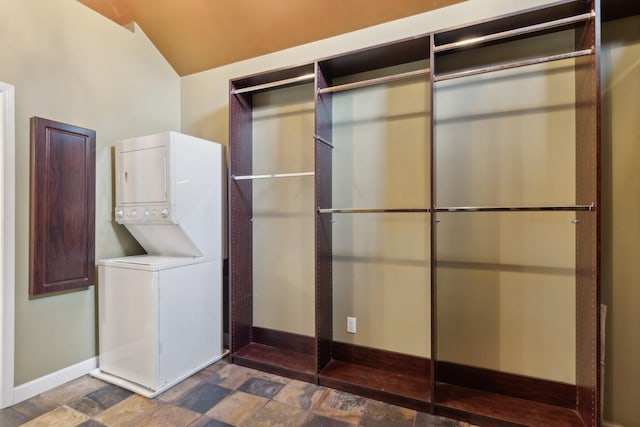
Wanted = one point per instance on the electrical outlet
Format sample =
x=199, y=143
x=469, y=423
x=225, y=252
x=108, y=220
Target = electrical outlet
x=351, y=325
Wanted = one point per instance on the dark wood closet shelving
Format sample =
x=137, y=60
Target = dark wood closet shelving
x=280, y=353
x=479, y=396
x=277, y=360
x=378, y=384
x=484, y=408
x=269, y=350
x=389, y=376
x=383, y=375
x=483, y=396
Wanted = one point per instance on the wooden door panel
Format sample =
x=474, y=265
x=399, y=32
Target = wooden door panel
x=62, y=246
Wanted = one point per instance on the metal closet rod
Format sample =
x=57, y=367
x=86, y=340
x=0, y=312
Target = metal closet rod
x=515, y=32
x=376, y=81
x=269, y=85
x=513, y=65
x=541, y=208
x=372, y=210
x=322, y=140
x=571, y=208
x=271, y=175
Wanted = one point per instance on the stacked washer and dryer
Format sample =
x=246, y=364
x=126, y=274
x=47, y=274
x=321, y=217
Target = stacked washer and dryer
x=160, y=314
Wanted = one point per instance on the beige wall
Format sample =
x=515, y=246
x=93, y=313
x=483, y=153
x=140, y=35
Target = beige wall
x=70, y=64
x=621, y=225
x=381, y=261
x=283, y=213
x=506, y=297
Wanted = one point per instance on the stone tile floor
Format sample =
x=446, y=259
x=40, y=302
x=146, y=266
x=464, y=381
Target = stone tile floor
x=221, y=395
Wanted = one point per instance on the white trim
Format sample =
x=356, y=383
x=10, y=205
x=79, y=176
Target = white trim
x=606, y=423
x=7, y=244
x=54, y=379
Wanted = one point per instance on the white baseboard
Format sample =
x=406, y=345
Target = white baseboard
x=606, y=423
x=40, y=385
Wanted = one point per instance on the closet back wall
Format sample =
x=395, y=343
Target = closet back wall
x=506, y=282
x=381, y=260
x=283, y=211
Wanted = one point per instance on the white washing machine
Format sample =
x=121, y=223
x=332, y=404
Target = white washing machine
x=160, y=314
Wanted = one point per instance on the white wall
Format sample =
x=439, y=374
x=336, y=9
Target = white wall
x=72, y=65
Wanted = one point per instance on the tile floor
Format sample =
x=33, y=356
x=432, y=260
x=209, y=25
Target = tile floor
x=221, y=395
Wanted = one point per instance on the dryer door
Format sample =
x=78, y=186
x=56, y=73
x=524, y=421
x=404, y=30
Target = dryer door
x=142, y=176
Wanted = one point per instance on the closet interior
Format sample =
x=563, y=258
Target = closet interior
x=271, y=222
x=441, y=190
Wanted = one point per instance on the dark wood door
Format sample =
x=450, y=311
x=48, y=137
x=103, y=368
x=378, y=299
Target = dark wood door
x=62, y=220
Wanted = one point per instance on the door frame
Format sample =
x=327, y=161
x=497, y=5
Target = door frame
x=7, y=243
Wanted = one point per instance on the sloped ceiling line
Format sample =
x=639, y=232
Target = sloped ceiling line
x=197, y=35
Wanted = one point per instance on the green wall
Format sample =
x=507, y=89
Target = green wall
x=70, y=64
x=621, y=225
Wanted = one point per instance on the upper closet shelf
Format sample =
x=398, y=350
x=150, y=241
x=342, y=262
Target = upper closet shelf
x=280, y=83
x=271, y=175
x=510, y=65
x=375, y=81
x=516, y=32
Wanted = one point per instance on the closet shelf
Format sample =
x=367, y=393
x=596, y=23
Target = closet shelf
x=510, y=65
x=270, y=85
x=271, y=175
x=376, y=81
x=513, y=33
x=491, y=407
x=277, y=360
x=378, y=383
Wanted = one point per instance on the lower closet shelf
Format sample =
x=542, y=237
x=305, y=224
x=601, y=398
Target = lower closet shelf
x=277, y=360
x=397, y=388
x=481, y=407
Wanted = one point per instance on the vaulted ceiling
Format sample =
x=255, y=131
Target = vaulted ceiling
x=196, y=35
